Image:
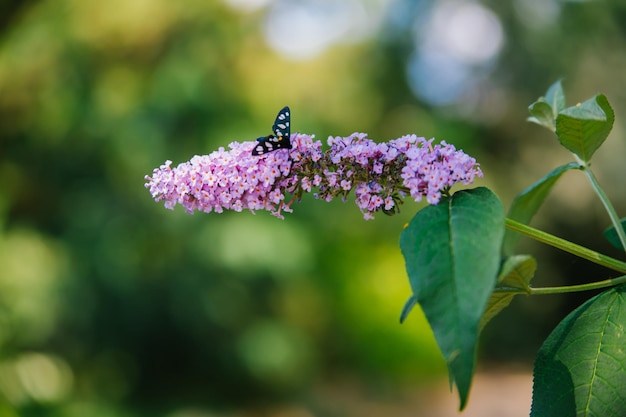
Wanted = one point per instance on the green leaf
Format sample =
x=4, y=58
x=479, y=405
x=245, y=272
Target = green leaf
x=408, y=307
x=452, y=255
x=610, y=234
x=556, y=97
x=516, y=273
x=528, y=202
x=541, y=113
x=581, y=368
x=544, y=110
x=583, y=128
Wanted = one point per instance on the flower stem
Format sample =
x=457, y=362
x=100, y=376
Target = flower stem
x=606, y=202
x=567, y=246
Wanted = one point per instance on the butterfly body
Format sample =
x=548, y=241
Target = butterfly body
x=280, y=137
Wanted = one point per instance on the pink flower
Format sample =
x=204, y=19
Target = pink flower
x=381, y=174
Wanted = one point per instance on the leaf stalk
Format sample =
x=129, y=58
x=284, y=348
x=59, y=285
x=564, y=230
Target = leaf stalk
x=566, y=246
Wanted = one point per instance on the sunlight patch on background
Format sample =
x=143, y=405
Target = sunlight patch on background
x=537, y=14
x=457, y=42
x=382, y=285
x=301, y=30
x=138, y=24
x=276, y=353
x=35, y=377
x=247, y=5
x=31, y=266
x=248, y=245
x=468, y=32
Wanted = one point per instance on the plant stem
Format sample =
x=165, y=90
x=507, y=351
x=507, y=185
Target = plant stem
x=569, y=288
x=605, y=201
x=567, y=246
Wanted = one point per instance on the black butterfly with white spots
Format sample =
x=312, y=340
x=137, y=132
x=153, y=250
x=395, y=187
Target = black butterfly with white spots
x=280, y=138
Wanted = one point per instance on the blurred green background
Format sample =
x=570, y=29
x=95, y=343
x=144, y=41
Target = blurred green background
x=111, y=305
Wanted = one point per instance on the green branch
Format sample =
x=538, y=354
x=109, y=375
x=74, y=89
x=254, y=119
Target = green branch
x=559, y=290
x=567, y=246
x=605, y=201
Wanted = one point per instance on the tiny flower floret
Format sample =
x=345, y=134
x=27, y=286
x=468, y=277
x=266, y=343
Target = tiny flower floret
x=381, y=175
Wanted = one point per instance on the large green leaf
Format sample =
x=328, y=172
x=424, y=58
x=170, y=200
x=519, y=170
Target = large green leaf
x=528, y=202
x=584, y=127
x=581, y=368
x=545, y=109
x=452, y=255
x=516, y=273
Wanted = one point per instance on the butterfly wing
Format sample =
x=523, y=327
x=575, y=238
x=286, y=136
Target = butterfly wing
x=282, y=124
x=280, y=139
x=266, y=144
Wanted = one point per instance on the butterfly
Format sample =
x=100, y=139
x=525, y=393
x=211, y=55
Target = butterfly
x=280, y=137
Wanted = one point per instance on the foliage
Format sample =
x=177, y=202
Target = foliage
x=452, y=258
x=580, y=368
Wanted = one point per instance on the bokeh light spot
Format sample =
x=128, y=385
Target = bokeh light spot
x=301, y=30
x=452, y=47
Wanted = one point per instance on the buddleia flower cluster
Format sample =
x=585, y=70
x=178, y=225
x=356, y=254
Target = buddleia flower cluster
x=380, y=174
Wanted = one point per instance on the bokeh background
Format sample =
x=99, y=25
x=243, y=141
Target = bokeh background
x=111, y=305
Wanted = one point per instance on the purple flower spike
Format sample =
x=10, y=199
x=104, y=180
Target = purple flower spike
x=381, y=175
